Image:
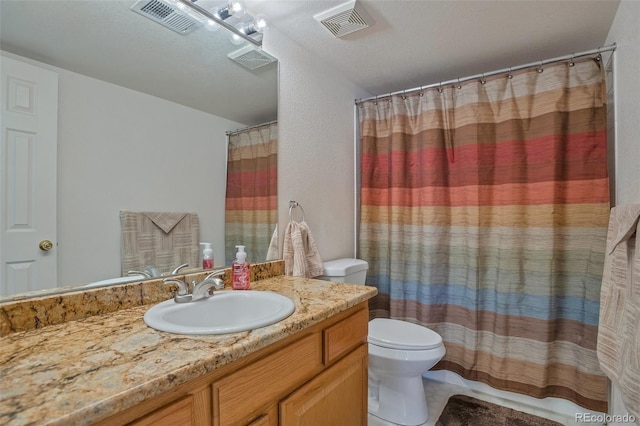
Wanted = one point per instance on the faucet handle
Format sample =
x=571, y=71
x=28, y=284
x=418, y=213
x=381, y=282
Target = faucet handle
x=183, y=291
x=214, y=274
x=177, y=268
x=219, y=284
x=144, y=273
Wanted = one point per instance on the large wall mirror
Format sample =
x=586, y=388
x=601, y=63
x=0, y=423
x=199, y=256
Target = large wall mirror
x=142, y=119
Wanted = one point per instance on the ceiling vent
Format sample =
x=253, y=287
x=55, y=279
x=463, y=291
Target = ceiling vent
x=166, y=15
x=251, y=58
x=345, y=19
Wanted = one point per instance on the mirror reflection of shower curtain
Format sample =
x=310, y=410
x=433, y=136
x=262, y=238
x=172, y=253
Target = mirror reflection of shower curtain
x=251, y=215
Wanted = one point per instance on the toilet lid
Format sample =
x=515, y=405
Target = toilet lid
x=396, y=334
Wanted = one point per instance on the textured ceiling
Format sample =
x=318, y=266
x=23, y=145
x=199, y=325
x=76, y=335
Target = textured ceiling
x=420, y=42
x=412, y=43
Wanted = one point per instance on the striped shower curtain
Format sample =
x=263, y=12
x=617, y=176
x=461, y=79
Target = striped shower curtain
x=484, y=210
x=251, y=215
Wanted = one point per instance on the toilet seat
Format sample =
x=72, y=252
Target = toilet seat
x=396, y=334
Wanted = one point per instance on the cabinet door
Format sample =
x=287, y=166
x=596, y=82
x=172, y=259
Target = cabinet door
x=338, y=396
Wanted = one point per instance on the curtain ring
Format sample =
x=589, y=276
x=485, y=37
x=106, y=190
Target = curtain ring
x=571, y=63
x=440, y=88
x=459, y=86
x=375, y=101
x=421, y=91
x=404, y=95
x=540, y=69
x=482, y=80
x=509, y=75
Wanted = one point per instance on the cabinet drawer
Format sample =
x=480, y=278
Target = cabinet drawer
x=342, y=337
x=176, y=413
x=241, y=396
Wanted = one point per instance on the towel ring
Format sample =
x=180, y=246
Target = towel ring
x=292, y=205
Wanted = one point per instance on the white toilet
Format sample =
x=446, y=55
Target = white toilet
x=399, y=352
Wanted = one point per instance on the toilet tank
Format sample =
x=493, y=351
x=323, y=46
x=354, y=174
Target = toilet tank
x=345, y=271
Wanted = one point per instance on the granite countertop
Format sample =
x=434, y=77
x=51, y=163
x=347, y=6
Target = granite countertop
x=82, y=371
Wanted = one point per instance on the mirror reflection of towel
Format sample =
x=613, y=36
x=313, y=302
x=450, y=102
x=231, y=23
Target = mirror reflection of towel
x=161, y=239
x=165, y=221
x=301, y=256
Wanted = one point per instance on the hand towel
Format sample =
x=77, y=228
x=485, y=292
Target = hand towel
x=301, y=256
x=163, y=240
x=272, y=251
x=165, y=221
x=618, y=346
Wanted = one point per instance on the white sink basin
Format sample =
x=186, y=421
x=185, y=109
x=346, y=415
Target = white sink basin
x=224, y=312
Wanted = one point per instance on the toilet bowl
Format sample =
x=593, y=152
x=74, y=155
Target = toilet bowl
x=399, y=352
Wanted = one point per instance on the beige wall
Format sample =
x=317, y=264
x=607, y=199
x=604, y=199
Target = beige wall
x=315, y=146
x=625, y=32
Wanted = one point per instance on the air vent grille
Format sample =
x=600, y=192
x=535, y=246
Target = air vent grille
x=345, y=23
x=345, y=19
x=251, y=58
x=165, y=15
x=157, y=10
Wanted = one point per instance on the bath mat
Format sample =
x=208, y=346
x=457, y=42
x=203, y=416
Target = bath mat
x=462, y=410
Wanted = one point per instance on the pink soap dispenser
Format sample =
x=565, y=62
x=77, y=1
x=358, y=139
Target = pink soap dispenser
x=240, y=271
x=207, y=256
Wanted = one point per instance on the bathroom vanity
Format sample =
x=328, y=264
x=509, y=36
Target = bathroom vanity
x=109, y=369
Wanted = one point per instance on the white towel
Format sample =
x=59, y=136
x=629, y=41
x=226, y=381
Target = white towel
x=301, y=256
x=272, y=251
x=618, y=344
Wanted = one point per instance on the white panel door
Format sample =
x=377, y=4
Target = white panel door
x=28, y=158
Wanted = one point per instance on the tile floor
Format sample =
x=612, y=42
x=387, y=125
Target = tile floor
x=438, y=394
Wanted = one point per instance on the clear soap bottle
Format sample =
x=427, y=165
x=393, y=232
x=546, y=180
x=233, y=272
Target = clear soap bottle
x=240, y=271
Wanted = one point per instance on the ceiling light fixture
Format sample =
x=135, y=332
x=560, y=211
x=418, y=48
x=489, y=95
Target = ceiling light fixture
x=219, y=17
x=234, y=8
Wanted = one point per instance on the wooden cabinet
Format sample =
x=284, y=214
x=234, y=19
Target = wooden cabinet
x=317, y=376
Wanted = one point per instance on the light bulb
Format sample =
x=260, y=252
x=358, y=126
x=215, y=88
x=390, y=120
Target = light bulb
x=260, y=23
x=236, y=9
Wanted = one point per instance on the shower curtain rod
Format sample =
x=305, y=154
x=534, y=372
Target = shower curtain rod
x=599, y=50
x=233, y=132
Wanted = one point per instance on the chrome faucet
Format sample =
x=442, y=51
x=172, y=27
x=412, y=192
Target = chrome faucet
x=201, y=290
x=177, y=269
x=183, y=295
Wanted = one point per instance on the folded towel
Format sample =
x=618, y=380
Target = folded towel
x=165, y=221
x=618, y=344
x=301, y=256
x=164, y=240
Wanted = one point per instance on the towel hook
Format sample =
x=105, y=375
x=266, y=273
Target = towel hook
x=293, y=205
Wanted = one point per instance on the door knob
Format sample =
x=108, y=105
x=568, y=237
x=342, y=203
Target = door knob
x=45, y=245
